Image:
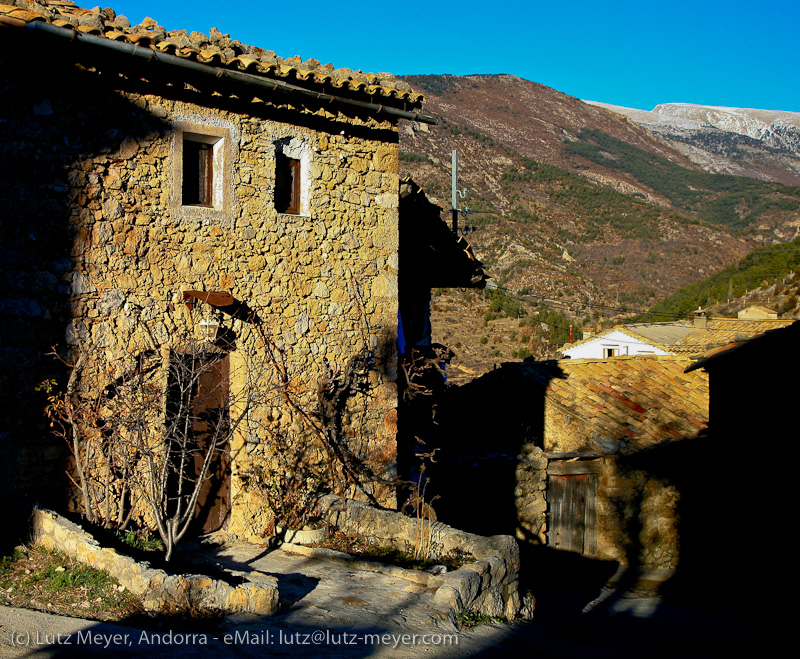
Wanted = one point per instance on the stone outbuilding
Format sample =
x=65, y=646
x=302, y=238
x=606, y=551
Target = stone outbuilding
x=606, y=493
x=757, y=312
x=584, y=455
x=162, y=184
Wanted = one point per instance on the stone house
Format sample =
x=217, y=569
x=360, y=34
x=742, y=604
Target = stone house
x=584, y=455
x=610, y=488
x=757, y=312
x=158, y=184
x=680, y=337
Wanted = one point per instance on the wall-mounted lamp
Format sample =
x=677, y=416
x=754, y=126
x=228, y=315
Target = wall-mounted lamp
x=208, y=328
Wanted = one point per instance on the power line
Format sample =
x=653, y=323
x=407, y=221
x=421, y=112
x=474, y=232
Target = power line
x=580, y=306
x=640, y=260
x=735, y=275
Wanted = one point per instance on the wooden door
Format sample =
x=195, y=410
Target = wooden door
x=571, y=499
x=210, y=419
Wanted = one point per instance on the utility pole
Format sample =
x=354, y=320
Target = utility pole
x=454, y=191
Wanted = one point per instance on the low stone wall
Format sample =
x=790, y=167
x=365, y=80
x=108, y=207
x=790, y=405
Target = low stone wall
x=158, y=590
x=488, y=585
x=427, y=579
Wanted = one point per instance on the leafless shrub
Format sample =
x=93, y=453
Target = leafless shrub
x=151, y=425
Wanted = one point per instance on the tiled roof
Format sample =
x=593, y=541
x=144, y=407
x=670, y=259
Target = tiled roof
x=215, y=49
x=722, y=331
x=773, y=342
x=659, y=334
x=641, y=400
x=683, y=338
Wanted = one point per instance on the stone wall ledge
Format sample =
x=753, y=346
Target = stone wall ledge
x=346, y=560
x=158, y=590
x=488, y=584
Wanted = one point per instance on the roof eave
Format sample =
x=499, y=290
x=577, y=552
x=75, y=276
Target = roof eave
x=236, y=77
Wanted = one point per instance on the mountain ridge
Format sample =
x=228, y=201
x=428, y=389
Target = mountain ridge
x=761, y=143
x=576, y=210
x=574, y=200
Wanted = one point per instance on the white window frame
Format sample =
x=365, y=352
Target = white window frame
x=220, y=140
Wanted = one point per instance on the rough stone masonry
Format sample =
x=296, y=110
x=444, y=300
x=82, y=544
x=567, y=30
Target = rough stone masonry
x=101, y=243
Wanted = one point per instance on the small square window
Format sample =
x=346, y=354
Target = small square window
x=201, y=169
x=287, y=184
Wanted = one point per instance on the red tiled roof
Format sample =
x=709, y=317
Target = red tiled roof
x=641, y=399
x=215, y=49
x=694, y=341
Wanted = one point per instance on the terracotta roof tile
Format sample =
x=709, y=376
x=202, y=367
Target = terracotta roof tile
x=721, y=331
x=640, y=399
x=215, y=49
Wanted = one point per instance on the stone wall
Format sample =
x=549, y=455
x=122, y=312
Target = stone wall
x=99, y=249
x=159, y=591
x=636, y=514
x=487, y=584
x=529, y=495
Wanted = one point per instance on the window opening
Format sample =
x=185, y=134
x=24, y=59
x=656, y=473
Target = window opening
x=287, y=184
x=198, y=173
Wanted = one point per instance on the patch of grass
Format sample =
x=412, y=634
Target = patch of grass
x=469, y=618
x=140, y=540
x=368, y=549
x=7, y=564
x=50, y=581
x=73, y=576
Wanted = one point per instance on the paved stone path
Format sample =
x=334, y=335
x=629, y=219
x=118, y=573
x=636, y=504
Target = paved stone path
x=333, y=612
x=314, y=592
x=327, y=611
x=41, y=635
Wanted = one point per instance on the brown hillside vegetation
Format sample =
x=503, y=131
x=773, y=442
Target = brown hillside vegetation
x=533, y=119
x=550, y=219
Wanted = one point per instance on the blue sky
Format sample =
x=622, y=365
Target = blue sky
x=637, y=54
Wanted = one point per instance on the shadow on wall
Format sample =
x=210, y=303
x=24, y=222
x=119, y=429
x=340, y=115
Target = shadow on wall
x=693, y=535
x=481, y=428
x=59, y=125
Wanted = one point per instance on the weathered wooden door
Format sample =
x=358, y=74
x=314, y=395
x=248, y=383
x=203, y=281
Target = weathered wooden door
x=571, y=495
x=198, y=418
x=211, y=419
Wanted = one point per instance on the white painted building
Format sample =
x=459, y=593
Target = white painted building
x=680, y=337
x=628, y=340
